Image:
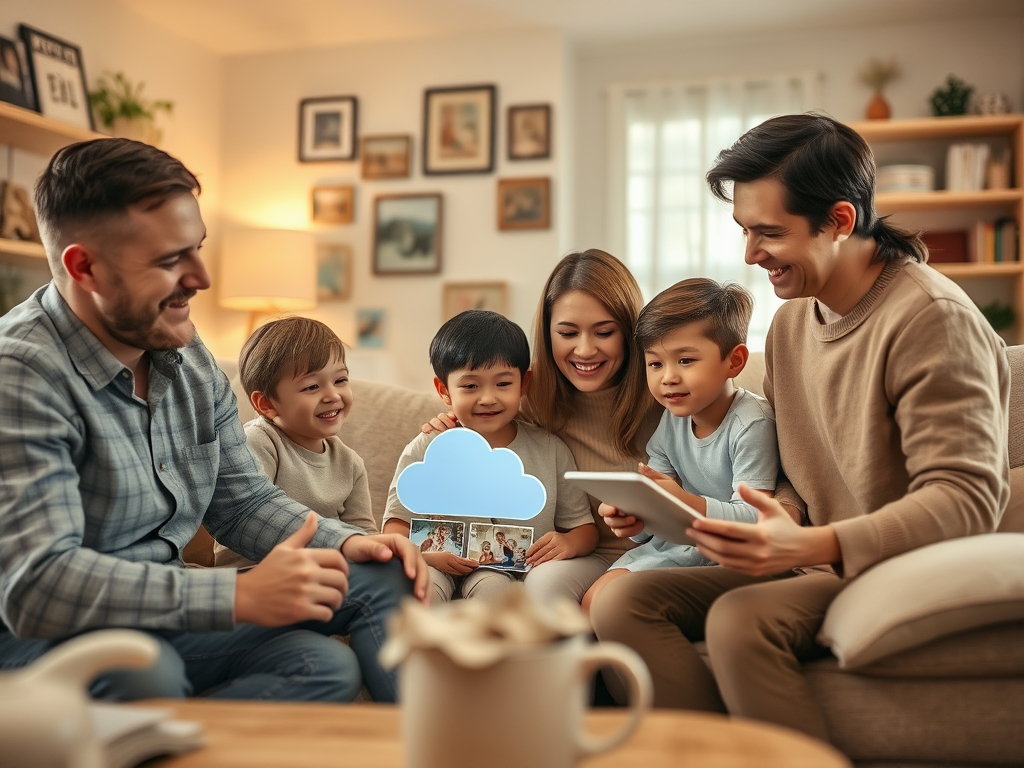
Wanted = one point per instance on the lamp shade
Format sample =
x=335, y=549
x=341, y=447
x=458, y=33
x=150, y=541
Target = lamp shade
x=268, y=270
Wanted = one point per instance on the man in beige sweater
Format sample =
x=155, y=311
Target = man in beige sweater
x=890, y=392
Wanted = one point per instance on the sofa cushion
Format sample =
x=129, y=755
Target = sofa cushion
x=932, y=592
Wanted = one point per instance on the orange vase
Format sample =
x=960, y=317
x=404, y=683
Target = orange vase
x=878, y=107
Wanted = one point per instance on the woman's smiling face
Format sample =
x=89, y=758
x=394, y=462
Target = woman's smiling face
x=587, y=344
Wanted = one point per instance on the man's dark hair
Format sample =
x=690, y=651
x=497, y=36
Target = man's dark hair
x=87, y=182
x=819, y=162
x=478, y=338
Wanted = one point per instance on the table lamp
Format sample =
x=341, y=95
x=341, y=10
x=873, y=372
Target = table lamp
x=267, y=270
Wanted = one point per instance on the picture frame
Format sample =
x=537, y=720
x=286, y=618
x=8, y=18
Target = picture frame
x=58, y=77
x=333, y=272
x=524, y=203
x=458, y=130
x=387, y=156
x=529, y=132
x=407, y=234
x=328, y=128
x=458, y=297
x=370, y=327
x=15, y=82
x=333, y=204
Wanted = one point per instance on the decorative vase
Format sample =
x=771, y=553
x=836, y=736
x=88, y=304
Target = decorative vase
x=878, y=108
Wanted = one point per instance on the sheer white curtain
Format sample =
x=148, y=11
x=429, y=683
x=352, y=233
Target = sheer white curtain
x=663, y=138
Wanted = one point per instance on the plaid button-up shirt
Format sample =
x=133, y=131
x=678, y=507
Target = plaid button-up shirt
x=100, y=490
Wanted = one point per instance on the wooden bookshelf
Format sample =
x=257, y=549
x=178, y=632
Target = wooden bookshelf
x=962, y=206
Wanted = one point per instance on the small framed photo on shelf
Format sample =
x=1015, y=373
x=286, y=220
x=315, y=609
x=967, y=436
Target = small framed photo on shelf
x=370, y=327
x=334, y=204
x=58, y=77
x=529, y=132
x=458, y=130
x=333, y=271
x=387, y=157
x=15, y=83
x=327, y=128
x=458, y=297
x=407, y=234
x=524, y=203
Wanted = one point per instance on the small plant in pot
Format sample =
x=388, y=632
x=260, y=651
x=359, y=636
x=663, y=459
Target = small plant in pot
x=120, y=107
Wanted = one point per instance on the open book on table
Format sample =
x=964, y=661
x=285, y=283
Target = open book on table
x=130, y=735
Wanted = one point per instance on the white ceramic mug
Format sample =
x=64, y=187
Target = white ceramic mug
x=524, y=710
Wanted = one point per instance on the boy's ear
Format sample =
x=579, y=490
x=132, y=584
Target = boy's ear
x=737, y=360
x=263, y=405
x=526, y=381
x=442, y=390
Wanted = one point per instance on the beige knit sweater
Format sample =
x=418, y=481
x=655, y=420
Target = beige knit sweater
x=892, y=421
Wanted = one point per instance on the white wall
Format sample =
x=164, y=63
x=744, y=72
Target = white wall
x=113, y=38
x=985, y=52
x=266, y=186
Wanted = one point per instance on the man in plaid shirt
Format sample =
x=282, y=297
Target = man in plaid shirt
x=119, y=437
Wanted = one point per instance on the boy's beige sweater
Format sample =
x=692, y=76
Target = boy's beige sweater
x=892, y=421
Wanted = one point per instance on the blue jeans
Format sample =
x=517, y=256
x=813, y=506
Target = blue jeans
x=301, y=662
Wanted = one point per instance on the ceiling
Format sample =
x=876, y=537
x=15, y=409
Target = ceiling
x=234, y=27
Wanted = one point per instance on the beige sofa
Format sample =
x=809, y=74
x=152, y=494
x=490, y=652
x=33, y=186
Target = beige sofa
x=955, y=701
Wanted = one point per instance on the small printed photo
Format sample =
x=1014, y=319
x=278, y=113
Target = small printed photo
x=524, y=203
x=438, y=535
x=334, y=205
x=370, y=324
x=333, y=271
x=500, y=546
x=529, y=132
x=15, y=85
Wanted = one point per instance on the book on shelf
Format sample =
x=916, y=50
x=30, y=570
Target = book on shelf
x=966, y=165
x=993, y=242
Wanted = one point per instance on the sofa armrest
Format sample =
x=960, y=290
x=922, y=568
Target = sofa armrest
x=931, y=592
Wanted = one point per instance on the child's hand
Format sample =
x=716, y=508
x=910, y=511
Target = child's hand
x=440, y=423
x=449, y=563
x=667, y=482
x=550, y=546
x=622, y=525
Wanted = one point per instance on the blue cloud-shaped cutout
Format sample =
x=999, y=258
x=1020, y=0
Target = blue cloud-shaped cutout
x=461, y=475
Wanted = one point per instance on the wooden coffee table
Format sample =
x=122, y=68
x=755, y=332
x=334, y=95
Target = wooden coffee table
x=256, y=734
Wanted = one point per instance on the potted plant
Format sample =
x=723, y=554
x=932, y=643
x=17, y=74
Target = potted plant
x=120, y=107
x=877, y=74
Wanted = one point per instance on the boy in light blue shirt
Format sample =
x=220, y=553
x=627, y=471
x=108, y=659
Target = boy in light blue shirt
x=713, y=435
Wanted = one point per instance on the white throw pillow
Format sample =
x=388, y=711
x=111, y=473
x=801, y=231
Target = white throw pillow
x=925, y=594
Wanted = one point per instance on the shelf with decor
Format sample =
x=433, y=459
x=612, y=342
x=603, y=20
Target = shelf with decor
x=27, y=130
x=926, y=141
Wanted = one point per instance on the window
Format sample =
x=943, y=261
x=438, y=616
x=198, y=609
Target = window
x=663, y=137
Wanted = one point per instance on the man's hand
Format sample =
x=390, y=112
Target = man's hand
x=622, y=525
x=449, y=563
x=774, y=544
x=292, y=583
x=382, y=547
x=440, y=423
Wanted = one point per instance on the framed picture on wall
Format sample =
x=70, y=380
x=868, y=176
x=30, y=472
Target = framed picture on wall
x=524, y=203
x=327, y=128
x=458, y=130
x=370, y=327
x=529, y=132
x=333, y=271
x=458, y=297
x=15, y=83
x=334, y=204
x=58, y=77
x=387, y=157
x=407, y=234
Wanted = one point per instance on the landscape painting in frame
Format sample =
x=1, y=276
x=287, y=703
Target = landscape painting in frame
x=458, y=130
x=407, y=234
x=458, y=297
x=386, y=157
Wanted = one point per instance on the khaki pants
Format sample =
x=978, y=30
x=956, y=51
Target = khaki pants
x=757, y=630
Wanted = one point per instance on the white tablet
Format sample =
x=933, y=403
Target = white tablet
x=663, y=515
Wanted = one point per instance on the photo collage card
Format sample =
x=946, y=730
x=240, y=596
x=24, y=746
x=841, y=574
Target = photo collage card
x=492, y=545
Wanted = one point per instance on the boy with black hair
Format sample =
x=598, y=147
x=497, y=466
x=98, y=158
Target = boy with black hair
x=481, y=363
